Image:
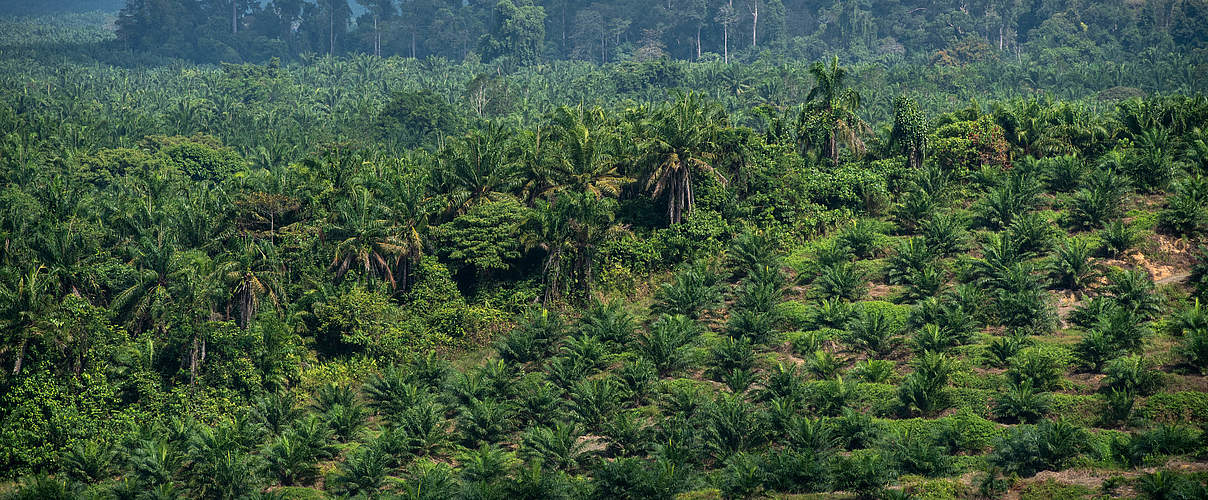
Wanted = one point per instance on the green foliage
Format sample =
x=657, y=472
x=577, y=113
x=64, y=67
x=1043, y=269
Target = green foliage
x=255, y=280
x=1132, y=374
x=1118, y=237
x=924, y=390
x=693, y=290
x=667, y=341
x=485, y=237
x=1186, y=209
x=415, y=118
x=1050, y=445
x=1022, y=403
x=1037, y=367
x=872, y=331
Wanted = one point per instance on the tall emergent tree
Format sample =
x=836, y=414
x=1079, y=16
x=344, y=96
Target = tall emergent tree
x=909, y=130
x=518, y=32
x=681, y=140
x=838, y=104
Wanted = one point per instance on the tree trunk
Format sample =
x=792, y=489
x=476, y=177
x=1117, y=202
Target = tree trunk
x=331, y=31
x=754, y=22
x=377, y=38
x=725, y=30
x=698, y=42
x=234, y=18
x=193, y=361
x=20, y=356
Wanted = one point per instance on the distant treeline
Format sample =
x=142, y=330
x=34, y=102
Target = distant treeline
x=37, y=8
x=530, y=31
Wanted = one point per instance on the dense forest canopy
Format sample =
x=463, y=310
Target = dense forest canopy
x=676, y=249
x=528, y=31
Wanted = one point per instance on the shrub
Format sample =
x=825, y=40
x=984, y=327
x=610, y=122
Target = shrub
x=1062, y=173
x=742, y=477
x=609, y=322
x=833, y=313
x=1002, y=349
x=1194, y=350
x=738, y=380
x=1092, y=207
x=693, y=290
x=792, y=471
x=864, y=472
x=752, y=250
x=872, y=331
x=593, y=401
x=1095, y=349
x=822, y=365
x=1169, y=485
x=946, y=234
x=1133, y=374
x=733, y=426
x=1033, y=232
x=1186, y=211
x=876, y=371
x=857, y=430
x=1071, y=267
x=924, y=390
x=1022, y=403
x=634, y=478
x=752, y=326
x=762, y=290
x=535, y=338
x=587, y=350
x=966, y=431
x=1134, y=290
x=1118, y=237
x=557, y=447
x=1118, y=407
x=843, y=281
x=830, y=397
x=1035, y=367
x=860, y=237
x=917, y=453
x=667, y=341
x=785, y=382
x=1050, y=445
x=392, y=396
x=932, y=338
x=1013, y=197
x=363, y=473
x=88, y=462
x=636, y=377
x=484, y=421
x=908, y=258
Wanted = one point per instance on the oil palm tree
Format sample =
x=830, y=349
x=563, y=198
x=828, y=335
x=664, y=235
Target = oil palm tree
x=838, y=104
x=252, y=275
x=680, y=143
x=408, y=204
x=477, y=168
x=22, y=304
x=150, y=299
x=363, y=240
x=584, y=161
x=549, y=230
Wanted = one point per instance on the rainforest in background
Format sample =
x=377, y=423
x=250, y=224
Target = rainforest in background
x=681, y=249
